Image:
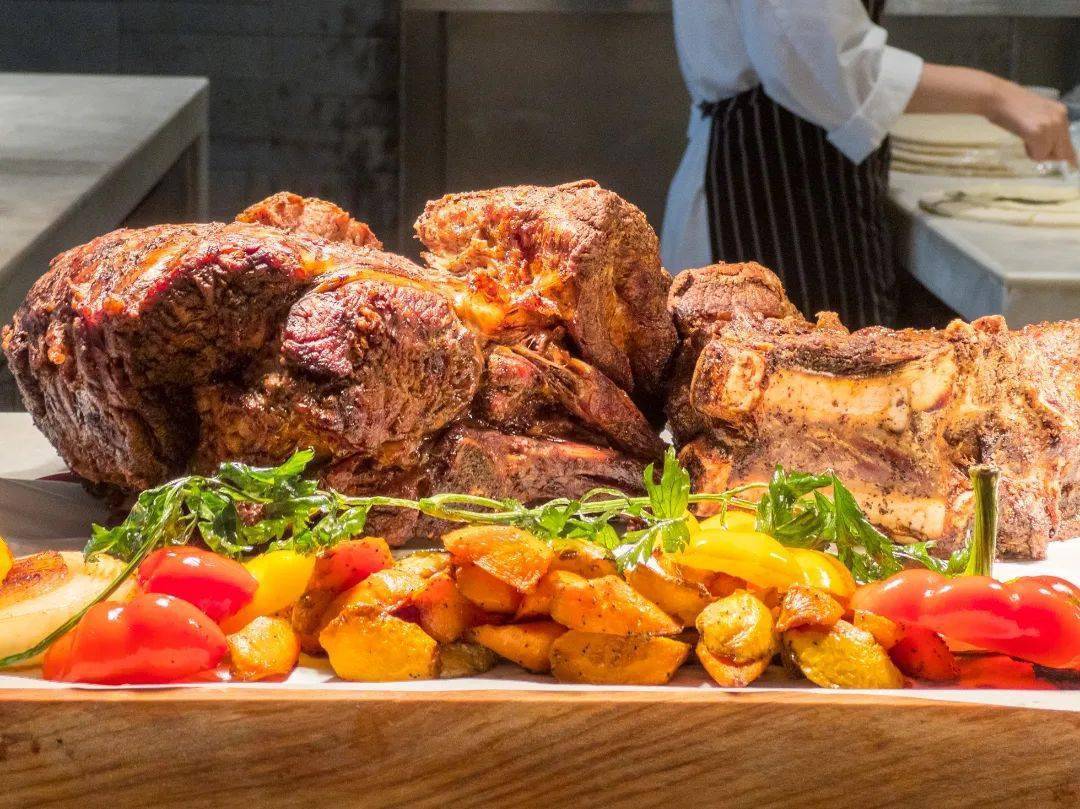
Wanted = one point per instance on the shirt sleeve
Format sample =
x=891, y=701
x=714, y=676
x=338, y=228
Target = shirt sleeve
x=827, y=62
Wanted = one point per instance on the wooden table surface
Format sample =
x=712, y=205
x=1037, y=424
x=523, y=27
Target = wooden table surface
x=214, y=748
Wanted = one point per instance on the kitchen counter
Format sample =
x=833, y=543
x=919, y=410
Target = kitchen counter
x=82, y=155
x=79, y=154
x=1028, y=274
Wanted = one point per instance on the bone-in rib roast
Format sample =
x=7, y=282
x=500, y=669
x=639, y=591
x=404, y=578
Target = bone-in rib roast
x=899, y=415
x=513, y=365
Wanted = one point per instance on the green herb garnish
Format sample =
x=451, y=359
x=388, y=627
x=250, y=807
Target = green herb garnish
x=241, y=510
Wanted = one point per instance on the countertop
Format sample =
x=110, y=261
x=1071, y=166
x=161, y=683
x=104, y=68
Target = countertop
x=78, y=154
x=1028, y=274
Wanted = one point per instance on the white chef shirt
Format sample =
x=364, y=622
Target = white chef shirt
x=823, y=60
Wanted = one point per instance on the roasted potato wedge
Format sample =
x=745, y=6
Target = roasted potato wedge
x=841, y=656
x=537, y=602
x=728, y=673
x=486, y=591
x=370, y=646
x=528, y=644
x=717, y=584
x=587, y=559
x=808, y=606
x=682, y=600
x=337, y=570
x=265, y=647
x=587, y=657
x=607, y=605
x=387, y=590
x=509, y=554
x=885, y=631
x=445, y=613
x=739, y=628
x=42, y=591
x=465, y=660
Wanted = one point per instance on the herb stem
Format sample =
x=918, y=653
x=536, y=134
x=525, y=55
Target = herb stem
x=984, y=486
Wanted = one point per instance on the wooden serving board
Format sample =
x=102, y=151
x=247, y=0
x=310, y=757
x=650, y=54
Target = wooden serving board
x=228, y=747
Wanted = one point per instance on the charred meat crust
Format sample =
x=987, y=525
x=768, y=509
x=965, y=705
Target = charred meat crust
x=313, y=217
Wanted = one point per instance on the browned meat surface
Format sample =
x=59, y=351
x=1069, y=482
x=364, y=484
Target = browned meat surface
x=149, y=352
x=899, y=415
x=110, y=342
x=548, y=392
x=1055, y=348
x=315, y=217
x=574, y=255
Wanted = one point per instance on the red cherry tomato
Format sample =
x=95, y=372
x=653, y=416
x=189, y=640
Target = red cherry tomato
x=151, y=639
x=215, y=584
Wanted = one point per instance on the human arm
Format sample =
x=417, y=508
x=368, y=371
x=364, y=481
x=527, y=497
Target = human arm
x=828, y=63
x=1043, y=124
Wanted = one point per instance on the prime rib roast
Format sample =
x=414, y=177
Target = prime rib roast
x=515, y=364
x=899, y=415
x=532, y=355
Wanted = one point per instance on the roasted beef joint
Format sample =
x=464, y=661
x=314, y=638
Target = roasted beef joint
x=516, y=364
x=531, y=356
x=899, y=415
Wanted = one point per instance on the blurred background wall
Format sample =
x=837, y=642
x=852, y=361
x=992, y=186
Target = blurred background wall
x=303, y=92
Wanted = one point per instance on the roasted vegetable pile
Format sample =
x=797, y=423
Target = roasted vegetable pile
x=569, y=603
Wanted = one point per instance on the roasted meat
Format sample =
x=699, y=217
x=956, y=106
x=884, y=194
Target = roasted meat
x=574, y=255
x=314, y=217
x=149, y=352
x=899, y=415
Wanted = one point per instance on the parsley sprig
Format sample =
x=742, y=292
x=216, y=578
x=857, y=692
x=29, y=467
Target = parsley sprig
x=798, y=511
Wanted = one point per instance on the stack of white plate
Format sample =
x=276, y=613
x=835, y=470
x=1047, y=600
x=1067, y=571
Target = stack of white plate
x=958, y=145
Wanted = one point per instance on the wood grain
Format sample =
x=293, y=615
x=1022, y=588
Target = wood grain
x=219, y=748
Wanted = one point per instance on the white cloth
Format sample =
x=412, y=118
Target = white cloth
x=824, y=60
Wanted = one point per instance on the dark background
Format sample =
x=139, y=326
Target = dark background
x=303, y=93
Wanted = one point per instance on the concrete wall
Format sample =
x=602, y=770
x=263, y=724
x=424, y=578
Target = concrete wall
x=1030, y=50
x=303, y=92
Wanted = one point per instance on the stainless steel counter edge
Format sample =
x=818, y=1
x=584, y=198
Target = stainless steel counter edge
x=907, y=8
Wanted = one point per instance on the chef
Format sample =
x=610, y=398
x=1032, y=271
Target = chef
x=787, y=161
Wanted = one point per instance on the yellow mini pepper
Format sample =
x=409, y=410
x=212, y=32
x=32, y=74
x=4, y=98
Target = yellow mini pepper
x=761, y=560
x=6, y=560
x=282, y=576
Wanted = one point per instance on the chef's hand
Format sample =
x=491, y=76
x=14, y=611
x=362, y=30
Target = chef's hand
x=1042, y=123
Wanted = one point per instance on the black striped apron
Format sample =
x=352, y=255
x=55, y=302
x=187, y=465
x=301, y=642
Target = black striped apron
x=779, y=193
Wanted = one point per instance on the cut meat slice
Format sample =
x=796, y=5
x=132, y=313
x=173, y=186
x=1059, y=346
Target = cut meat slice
x=110, y=340
x=574, y=255
x=702, y=300
x=473, y=460
x=1053, y=349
